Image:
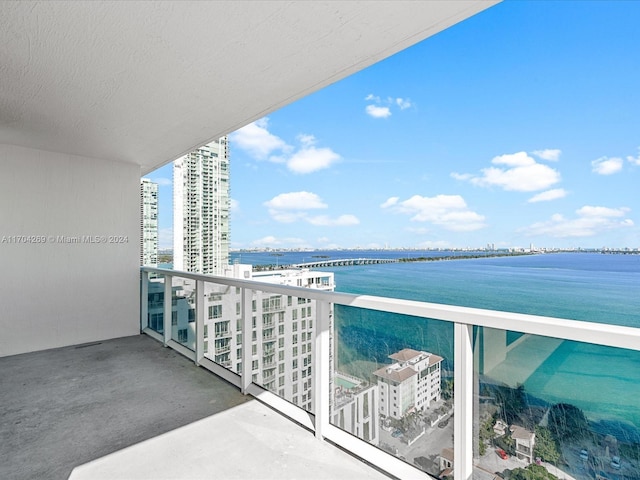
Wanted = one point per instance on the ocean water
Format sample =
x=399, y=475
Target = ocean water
x=604, y=382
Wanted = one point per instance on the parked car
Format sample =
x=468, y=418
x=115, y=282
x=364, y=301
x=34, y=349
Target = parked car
x=584, y=455
x=502, y=454
x=396, y=433
x=615, y=462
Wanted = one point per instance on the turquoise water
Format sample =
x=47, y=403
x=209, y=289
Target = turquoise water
x=604, y=382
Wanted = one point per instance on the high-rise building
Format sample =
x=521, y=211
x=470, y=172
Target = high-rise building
x=201, y=209
x=148, y=223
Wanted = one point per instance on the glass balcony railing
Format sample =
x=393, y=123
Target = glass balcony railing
x=419, y=390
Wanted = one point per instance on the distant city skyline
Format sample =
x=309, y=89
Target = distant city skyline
x=518, y=126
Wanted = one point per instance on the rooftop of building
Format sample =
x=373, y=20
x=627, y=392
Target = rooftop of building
x=521, y=433
x=395, y=373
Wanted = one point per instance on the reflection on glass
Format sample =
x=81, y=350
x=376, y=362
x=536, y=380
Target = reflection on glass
x=223, y=325
x=392, y=384
x=155, y=305
x=545, y=406
x=183, y=311
x=282, y=346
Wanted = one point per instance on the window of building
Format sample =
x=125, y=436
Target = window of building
x=215, y=311
x=174, y=318
x=182, y=335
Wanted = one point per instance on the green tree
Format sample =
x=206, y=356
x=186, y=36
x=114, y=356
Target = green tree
x=546, y=447
x=567, y=422
x=532, y=472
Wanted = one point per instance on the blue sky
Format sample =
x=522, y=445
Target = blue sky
x=518, y=126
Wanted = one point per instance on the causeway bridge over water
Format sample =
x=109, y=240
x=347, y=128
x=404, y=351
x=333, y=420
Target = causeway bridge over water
x=343, y=262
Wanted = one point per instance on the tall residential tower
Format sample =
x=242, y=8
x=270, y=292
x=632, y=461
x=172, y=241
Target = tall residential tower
x=201, y=209
x=148, y=223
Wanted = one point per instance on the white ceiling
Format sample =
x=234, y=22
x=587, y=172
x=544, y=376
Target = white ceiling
x=147, y=81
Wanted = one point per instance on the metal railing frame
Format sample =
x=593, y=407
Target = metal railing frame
x=318, y=421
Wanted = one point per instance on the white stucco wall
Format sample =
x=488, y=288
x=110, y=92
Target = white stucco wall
x=54, y=293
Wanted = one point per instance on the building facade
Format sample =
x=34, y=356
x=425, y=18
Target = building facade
x=282, y=327
x=411, y=382
x=148, y=223
x=201, y=205
x=355, y=407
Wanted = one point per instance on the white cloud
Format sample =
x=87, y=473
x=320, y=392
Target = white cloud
x=381, y=108
x=326, y=221
x=461, y=176
x=548, y=195
x=306, y=140
x=296, y=201
x=390, y=202
x=604, y=212
x=607, y=166
x=294, y=206
x=514, y=172
x=378, y=112
x=403, y=103
x=590, y=221
x=163, y=182
x=310, y=159
x=234, y=205
x=635, y=160
x=271, y=241
x=256, y=140
x=552, y=155
x=448, y=211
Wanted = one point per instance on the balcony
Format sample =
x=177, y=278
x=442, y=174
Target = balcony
x=131, y=409
x=481, y=362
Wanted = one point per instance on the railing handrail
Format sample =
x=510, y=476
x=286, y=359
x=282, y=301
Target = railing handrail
x=577, y=330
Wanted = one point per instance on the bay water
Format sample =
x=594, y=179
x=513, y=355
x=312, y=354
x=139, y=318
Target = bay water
x=604, y=382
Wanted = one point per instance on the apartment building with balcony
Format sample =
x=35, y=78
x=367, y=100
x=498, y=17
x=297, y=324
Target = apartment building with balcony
x=411, y=382
x=201, y=205
x=148, y=223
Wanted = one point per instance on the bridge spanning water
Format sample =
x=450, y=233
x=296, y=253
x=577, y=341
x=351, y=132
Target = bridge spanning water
x=343, y=262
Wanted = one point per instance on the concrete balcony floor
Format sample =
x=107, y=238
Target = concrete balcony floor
x=131, y=409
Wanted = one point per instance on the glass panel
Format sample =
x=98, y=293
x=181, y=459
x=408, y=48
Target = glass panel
x=223, y=326
x=282, y=353
x=548, y=405
x=393, y=384
x=183, y=311
x=155, y=305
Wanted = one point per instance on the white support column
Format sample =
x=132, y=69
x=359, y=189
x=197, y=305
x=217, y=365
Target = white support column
x=144, y=300
x=463, y=402
x=199, y=321
x=168, y=279
x=320, y=368
x=247, y=313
